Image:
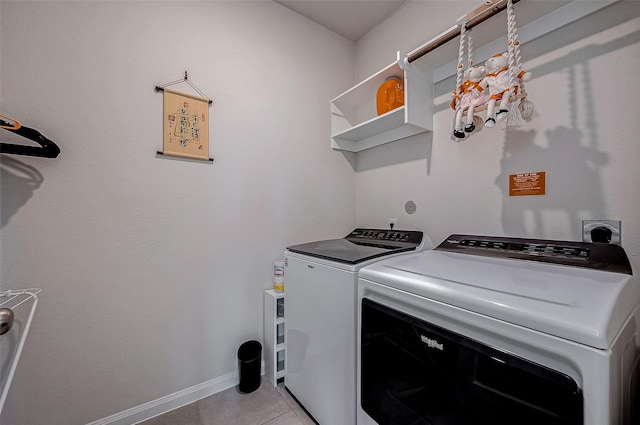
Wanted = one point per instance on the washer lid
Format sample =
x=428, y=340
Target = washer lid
x=583, y=305
x=343, y=251
x=361, y=245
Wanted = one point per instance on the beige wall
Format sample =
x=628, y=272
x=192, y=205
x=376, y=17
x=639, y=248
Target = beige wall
x=585, y=137
x=152, y=269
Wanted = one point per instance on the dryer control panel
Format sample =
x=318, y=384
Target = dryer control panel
x=580, y=254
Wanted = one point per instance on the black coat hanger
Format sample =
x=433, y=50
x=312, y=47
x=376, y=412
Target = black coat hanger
x=47, y=148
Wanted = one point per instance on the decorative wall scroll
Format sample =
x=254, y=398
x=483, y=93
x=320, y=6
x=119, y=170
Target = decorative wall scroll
x=185, y=123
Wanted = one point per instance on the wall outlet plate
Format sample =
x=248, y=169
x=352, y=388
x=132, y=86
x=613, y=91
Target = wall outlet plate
x=612, y=226
x=393, y=223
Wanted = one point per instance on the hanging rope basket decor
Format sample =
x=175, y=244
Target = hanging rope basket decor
x=498, y=87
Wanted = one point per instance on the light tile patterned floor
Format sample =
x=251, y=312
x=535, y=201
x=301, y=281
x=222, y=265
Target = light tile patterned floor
x=268, y=405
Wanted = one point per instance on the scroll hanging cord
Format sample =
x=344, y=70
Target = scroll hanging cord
x=184, y=80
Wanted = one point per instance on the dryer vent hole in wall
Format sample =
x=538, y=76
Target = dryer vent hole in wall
x=410, y=207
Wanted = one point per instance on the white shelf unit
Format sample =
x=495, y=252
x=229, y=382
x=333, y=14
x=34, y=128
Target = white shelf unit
x=274, y=336
x=355, y=124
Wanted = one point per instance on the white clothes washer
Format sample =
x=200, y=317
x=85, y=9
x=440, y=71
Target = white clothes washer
x=321, y=287
x=494, y=331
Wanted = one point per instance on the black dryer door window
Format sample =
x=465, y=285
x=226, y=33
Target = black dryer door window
x=416, y=373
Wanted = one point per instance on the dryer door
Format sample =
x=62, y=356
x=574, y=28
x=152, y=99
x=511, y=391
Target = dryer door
x=416, y=373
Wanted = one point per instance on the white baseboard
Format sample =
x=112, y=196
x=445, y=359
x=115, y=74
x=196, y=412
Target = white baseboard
x=172, y=401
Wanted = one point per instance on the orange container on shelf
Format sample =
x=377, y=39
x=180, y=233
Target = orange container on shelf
x=390, y=95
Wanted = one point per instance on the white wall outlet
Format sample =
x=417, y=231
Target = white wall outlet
x=606, y=231
x=393, y=223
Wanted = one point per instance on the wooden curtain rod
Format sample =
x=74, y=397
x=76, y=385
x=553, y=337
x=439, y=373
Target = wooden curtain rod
x=473, y=18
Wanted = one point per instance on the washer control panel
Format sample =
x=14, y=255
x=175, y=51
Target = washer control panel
x=385, y=235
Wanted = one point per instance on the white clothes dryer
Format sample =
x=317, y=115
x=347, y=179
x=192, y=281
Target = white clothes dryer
x=495, y=331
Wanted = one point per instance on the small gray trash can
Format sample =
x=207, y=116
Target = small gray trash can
x=250, y=359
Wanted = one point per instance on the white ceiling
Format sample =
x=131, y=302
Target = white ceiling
x=349, y=18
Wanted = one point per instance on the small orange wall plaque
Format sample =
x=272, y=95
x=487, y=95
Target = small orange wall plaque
x=524, y=184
